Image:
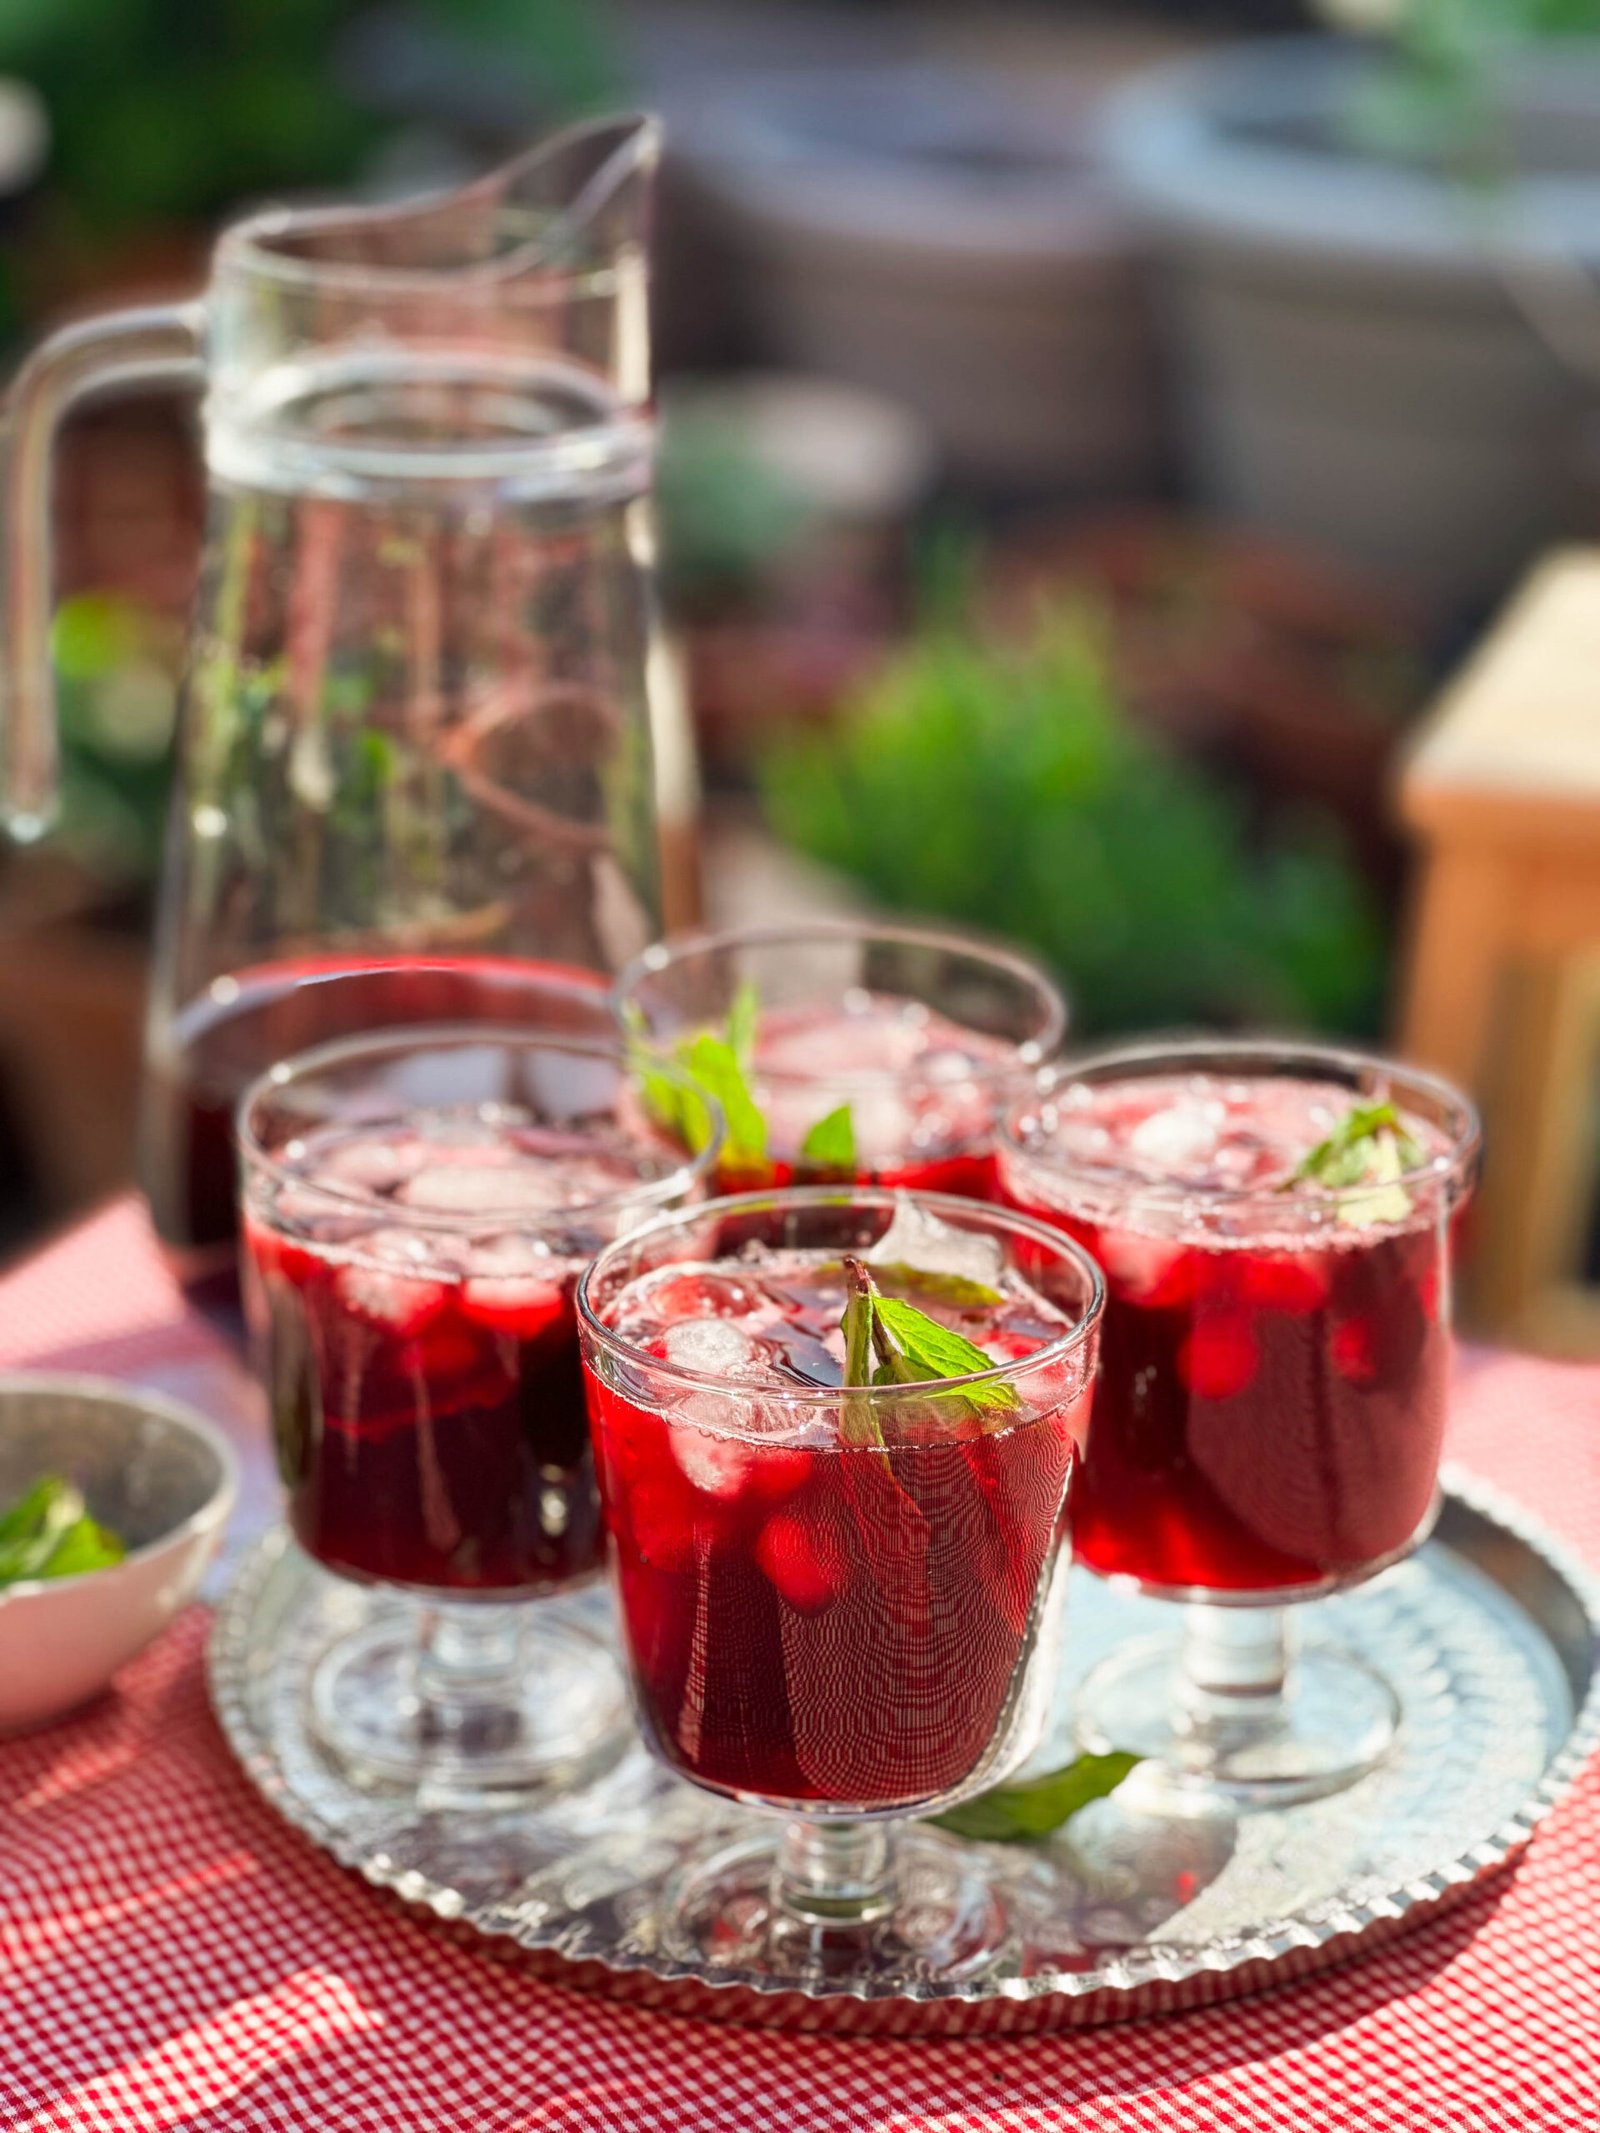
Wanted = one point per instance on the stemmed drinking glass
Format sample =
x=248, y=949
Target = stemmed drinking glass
x=1275, y=1223
x=879, y=1053
x=416, y=1210
x=840, y=1602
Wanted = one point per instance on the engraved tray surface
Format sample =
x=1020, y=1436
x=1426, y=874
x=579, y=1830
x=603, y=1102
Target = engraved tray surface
x=1490, y=1634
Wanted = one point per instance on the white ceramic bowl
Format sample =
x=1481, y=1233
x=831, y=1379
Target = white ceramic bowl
x=158, y=1474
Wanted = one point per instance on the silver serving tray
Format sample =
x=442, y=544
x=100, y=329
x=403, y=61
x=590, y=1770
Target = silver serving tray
x=1491, y=1634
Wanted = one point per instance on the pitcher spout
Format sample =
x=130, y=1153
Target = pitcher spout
x=570, y=207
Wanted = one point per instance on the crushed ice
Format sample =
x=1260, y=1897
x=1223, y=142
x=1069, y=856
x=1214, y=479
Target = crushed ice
x=916, y=1238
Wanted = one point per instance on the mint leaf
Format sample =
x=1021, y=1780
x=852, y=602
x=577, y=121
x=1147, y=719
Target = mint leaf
x=34, y=1525
x=25, y=1518
x=86, y=1546
x=47, y=1533
x=934, y=1351
x=858, y=1421
x=1371, y=1147
x=713, y=1062
x=718, y=1065
x=1019, y=1814
x=680, y=1112
x=831, y=1143
x=911, y=1349
x=743, y=1010
x=960, y=1291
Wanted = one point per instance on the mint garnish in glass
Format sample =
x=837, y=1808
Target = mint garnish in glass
x=1363, y=1159
x=888, y=1341
x=720, y=1064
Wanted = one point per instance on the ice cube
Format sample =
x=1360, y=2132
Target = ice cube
x=719, y=1465
x=510, y=1258
x=401, y=1303
x=372, y=1166
x=513, y=1284
x=303, y=1208
x=406, y=1248
x=1179, y=1136
x=916, y=1238
x=711, y=1345
x=884, y=1124
x=946, y=1064
x=481, y=1188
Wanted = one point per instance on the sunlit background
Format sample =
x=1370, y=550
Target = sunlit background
x=1092, y=437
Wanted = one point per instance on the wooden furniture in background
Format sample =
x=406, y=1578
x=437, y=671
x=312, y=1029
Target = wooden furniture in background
x=1501, y=794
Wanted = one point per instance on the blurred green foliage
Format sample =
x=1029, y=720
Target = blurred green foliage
x=169, y=110
x=163, y=109
x=117, y=667
x=1004, y=786
x=1440, y=98
x=726, y=513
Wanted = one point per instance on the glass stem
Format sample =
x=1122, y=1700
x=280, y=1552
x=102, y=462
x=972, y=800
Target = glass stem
x=834, y=1873
x=469, y=1679
x=1235, y=1668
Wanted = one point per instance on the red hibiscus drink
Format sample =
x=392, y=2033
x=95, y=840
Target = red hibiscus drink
x=417, y=1209
x=879, y=1056
x=1275, y=1228
x=203, y=1058
x=840, y=1598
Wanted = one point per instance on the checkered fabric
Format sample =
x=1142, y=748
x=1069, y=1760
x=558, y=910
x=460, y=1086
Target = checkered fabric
x=171, y=1955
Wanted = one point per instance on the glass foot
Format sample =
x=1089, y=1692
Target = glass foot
x=1324, y=1722
x=932, y=1916
x=388, y=1713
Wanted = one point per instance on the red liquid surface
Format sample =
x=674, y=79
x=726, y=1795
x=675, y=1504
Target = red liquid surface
x=809, y=1619
x=425, y=1387
x=1272, y=1403
x=236, y=1030
x=923, y=1091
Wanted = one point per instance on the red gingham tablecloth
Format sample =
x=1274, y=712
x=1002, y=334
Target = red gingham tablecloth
x=171, y=1955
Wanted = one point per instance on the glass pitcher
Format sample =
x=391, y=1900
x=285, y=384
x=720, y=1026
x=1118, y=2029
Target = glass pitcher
x=414, y=777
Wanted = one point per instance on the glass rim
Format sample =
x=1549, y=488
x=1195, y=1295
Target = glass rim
x=1143, y=1058
x=244, y=247
x=1025, y=1057
x=377, y=1044
x=941, y=1204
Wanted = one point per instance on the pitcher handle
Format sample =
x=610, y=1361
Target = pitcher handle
x=154, y=344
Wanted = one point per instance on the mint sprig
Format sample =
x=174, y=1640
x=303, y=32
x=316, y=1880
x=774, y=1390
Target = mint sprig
x=937, y=1351
x=719, y=1066
x=714, y=1064
x=909, y=1348
x=1364, y=1159
x=1022, y=1813
x=47, y=1533
x=716, y=1067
